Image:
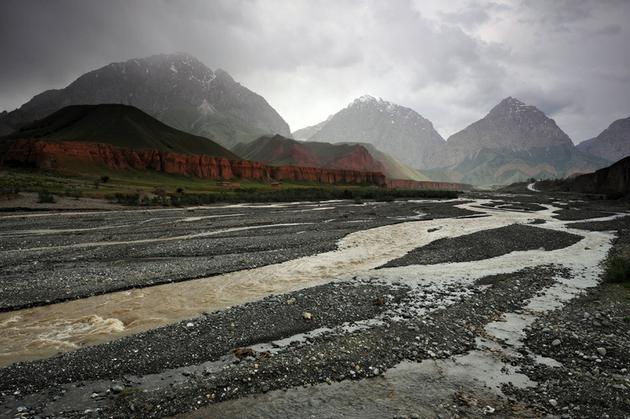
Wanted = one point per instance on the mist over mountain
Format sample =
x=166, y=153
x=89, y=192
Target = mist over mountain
x=177, y=89
x=612, y=144
x=278, y=151
x=392, y=128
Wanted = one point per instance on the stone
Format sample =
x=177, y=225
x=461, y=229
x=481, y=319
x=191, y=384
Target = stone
x=307, y=316
x=555, y=342
x=117, y=388
x=601, y=351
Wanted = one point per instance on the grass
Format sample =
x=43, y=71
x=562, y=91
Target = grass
x=618, y=270
x=145, y=188
x=45, y=197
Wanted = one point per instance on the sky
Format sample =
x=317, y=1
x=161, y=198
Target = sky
x=451, y=61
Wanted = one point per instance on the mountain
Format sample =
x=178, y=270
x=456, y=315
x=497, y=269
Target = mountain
x=512, y=143
x=177, y=89
x=278, y=151
x=89, y=138
x=305, y=133
x=492, y=166
x=510, y=125
x=613, y=180
x=117, y=125
x=393, y=129
x=611, y=144
x=394, y=169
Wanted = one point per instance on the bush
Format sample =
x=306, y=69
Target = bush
x=617, y=270
x=104, y=179
x=124, y=199
x=45, y=197
x=73, y=193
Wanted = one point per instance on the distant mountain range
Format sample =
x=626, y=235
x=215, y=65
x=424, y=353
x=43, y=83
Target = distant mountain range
x=612, y=144
x=117, y=125
x=393, y=129
x=278, y=150
x=177, y=89
x=513, y=142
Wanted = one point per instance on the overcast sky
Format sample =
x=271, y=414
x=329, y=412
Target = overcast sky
x=449, y=60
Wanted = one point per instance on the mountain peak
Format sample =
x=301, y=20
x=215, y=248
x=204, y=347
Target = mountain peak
x=366, y=99
x=512, y=105
x=378, y=103
x=394, y=129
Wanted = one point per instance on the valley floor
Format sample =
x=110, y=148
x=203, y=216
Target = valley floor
x=484, y=305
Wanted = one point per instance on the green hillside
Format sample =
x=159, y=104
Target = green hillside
x=118, y=125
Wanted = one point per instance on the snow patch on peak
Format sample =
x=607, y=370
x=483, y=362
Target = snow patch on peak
x=366, y=98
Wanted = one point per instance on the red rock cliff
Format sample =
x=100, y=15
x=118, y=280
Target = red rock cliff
x=54, y=155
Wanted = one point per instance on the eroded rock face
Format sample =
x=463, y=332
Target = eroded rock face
x=56, y=155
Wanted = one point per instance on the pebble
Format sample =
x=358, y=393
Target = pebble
x=307, y=316
x=291, y=301
x=553, y=402
x=601, y=351
x=555, y=342
x=117, y=388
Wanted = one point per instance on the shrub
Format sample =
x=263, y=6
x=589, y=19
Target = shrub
x=124, y=198
x=104, y=179
x=45, y=197
x=617, y=270
x=73, y=193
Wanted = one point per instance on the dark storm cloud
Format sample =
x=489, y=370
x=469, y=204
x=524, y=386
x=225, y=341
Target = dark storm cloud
x=451, y=61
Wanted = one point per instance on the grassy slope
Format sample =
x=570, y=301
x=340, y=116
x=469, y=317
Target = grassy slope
x=121, y=126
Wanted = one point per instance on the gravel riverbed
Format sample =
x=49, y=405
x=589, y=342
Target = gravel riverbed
x=501, y=319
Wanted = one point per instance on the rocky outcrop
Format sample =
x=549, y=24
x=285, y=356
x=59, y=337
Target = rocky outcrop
x=57, y=155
